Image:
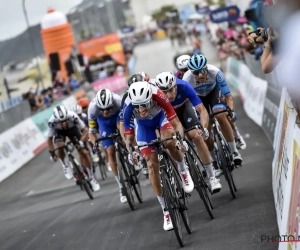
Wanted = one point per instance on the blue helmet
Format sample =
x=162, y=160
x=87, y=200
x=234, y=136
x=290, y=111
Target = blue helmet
x=197, y=62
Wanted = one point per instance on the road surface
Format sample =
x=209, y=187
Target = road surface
x=40, y=209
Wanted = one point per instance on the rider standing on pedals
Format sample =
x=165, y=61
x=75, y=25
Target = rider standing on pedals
x=62, y=124
x=210, y=84
x=105, y=110
x=185, y=101
x=152, y=110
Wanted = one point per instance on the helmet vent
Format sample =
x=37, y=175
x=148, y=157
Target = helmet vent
x=142, y=90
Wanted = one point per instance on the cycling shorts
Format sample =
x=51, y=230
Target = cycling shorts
x=214, y=99
x=145, y=131
x=108, y=126
x=187, y=115
x=74, y=134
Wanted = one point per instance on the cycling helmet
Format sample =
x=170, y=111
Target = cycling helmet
x=83, y=102
x=60, y=113
x=104, y=99
x=197, y=62
x=135, y=78
x=77, y=109
x=182, y=61
x=165, y=80
x=140, y=92
x=145, y=75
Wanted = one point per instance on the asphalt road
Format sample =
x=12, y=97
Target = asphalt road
x=40, y=209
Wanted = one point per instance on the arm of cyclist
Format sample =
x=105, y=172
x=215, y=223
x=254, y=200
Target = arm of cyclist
x=223, y=86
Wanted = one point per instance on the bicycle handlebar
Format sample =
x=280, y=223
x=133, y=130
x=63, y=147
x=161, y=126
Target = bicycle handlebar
x=199, y=126
x=227, y=110
x=156, y=142
x=111, y=136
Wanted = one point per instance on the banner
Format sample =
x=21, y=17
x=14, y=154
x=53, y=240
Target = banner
x=228, y=14
x=114, y=84
x=18, y=145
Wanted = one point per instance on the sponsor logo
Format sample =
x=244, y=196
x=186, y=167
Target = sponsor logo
x=92, y=124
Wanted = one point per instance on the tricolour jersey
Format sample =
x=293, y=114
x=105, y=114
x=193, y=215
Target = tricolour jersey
x=94, y=112
x=215, y=77
x=73, y=120
x=160, y=103
x=185, y=92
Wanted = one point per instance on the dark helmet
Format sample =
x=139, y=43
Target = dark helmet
x=135, y=78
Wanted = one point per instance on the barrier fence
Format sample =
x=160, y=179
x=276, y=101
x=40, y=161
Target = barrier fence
x=270, y=106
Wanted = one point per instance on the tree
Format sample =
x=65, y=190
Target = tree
x=161, y=13
x=222, y=3
x=210, y=2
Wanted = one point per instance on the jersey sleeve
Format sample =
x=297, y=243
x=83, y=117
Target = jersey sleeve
x=163, y=102
x=191, y=94
x=92, y=119
x=51, y=127
x=122, y=106
x=222, y=84
x=127, y=115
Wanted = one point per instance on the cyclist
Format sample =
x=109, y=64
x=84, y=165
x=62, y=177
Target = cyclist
x=62, y=124
x=78, y=110
x=181, y=64
x=210, y=84
x=185, y=101
x=152, y=109
x=105, y=110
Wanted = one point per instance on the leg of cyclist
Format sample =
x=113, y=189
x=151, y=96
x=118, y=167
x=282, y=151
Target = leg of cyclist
x=59, y=141
x=239, y=140
x=145, y=132
x=187, y=115
x=167, y=130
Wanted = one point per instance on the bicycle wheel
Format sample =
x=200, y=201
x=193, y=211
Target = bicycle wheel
x=125, y=180
x=197, y=165
x=82, y=178
x=201, y=189
x=182, y=196
x=102, y=170
x=172, y=206
x=225, y=167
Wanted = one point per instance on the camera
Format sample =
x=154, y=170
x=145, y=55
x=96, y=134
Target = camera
x=264, y=33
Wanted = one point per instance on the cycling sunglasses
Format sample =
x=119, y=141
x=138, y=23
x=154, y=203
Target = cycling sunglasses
x=64, y=120
x=199, y=71
x=141, y=106
x=107, y=109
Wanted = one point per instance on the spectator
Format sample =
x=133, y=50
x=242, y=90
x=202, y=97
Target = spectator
x=102, y=74
x=34, y=102
x=75, y=84
x=60, y=88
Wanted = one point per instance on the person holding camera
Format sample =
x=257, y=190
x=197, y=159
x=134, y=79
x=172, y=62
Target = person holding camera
x=267, y=37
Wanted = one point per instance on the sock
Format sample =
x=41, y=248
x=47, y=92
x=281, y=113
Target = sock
x=209, y=170
x=212, y=155
x=232, y=145
x=161, y=202
x=65, y=162
x=118, y=181
x=181, y=166
x=236, y=132
x=90, y=172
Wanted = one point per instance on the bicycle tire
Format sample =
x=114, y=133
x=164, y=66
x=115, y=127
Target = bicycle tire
x=201, y=189
x=172, y=207
x=83, y=181
x=126, y=183
x=199, y=173
x=102, y=171
x=182, y=196
x=225, y=166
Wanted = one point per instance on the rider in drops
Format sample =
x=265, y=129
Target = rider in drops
x=181, y=64
x=152, y=110
x=185, y=101
x=62, y=124
x=105, y=110
x=211, y=86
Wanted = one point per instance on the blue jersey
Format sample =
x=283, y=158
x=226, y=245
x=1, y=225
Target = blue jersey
x=215, y=78
x=185, y=92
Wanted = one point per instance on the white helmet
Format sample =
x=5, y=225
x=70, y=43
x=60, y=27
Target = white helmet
x=182, y=61
x=60, y=113
x=165, y=80
x=77, y=109
x=140, y=92
x=104, y=98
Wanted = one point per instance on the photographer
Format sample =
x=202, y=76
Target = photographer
x=267, y=37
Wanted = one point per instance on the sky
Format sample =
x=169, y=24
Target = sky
x=12, y=19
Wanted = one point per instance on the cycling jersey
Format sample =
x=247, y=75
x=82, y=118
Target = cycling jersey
x=94, y=112
x=185, y=92
x=73, y=121
x=160, y=104
x=214, y=78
